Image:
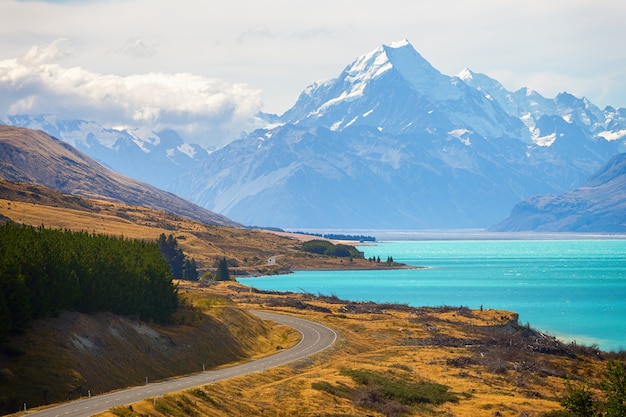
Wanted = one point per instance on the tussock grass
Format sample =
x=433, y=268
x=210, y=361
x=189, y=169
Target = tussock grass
x=376, y=369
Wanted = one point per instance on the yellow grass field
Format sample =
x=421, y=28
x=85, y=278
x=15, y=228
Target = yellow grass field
x=380, y=340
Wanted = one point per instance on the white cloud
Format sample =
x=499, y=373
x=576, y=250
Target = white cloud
x=258, y=32
x=281, y=46
x=203, y=110
x=54, y=52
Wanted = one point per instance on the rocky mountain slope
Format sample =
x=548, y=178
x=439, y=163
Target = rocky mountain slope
x=393, y=143
x=154, y=157
x=150, y=157
x=33, y=156
x=599, y=205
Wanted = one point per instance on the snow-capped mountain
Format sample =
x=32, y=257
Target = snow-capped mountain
x=542, y=115
x=156, y=158
x=394, y=89
x=393, y=143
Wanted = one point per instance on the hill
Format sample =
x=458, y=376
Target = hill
x=599, y=205
x=35, y=157
x=248, y=251
x=155, y=158
x=76, y=354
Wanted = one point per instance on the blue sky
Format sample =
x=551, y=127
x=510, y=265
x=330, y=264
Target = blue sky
x=216, y=63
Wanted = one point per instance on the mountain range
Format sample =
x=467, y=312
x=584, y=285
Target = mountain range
x=32, y=156
x=596, y=206
x=391, y=142
x=152, y=157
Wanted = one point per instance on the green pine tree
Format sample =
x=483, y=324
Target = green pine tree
x=222, y=271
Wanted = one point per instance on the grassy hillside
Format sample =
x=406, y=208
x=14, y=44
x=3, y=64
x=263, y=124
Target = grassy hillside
x=248, y=251
x=68, y=356
x=77, y=354
x=35, y=157
x=394, y=360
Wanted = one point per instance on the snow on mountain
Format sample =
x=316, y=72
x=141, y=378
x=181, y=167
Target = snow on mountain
x=530, y=107
x=393, y=143
x=156, y=158
x=394, y=88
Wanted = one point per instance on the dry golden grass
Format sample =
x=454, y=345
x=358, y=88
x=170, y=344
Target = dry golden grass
x=248, y=251
x=60, y=358
x=379, y=342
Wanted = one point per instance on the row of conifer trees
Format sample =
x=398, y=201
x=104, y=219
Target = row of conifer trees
x=44, y=271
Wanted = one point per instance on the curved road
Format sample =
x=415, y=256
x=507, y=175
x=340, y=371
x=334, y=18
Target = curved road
x=315, y=338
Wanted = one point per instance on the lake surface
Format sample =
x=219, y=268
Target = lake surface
x=574, y=289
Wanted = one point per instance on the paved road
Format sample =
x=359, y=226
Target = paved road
x=315, y=338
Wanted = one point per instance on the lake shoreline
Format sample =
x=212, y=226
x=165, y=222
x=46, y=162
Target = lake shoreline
x=574, y=289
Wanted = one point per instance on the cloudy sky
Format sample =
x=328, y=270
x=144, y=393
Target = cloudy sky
x=204, y=67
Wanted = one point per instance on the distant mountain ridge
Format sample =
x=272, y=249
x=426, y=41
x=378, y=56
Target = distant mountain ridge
x=599, y=205
x=542, y=116
x=393, y=143
x=33, y=156
x=154, y=158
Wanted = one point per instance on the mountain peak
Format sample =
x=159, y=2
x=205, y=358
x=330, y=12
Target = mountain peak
x=467, y=74
x=401, y=44
x=394, y=88
x=411, y=65
x=399, y=55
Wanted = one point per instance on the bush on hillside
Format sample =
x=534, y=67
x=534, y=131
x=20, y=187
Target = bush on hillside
x=387, y=393
x=325, y=247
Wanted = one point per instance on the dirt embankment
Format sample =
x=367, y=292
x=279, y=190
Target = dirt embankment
x=77, y=354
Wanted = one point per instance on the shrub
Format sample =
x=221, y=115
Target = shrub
x=324, y=247
x=316, y=246
x=405, y=392
x=386, y=393
x=579, y=399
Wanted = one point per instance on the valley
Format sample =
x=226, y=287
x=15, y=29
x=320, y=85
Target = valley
x=484, y=360
x=247, y=250
x=389, y=143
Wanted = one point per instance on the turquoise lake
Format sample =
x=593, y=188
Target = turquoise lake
x=572, y=289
